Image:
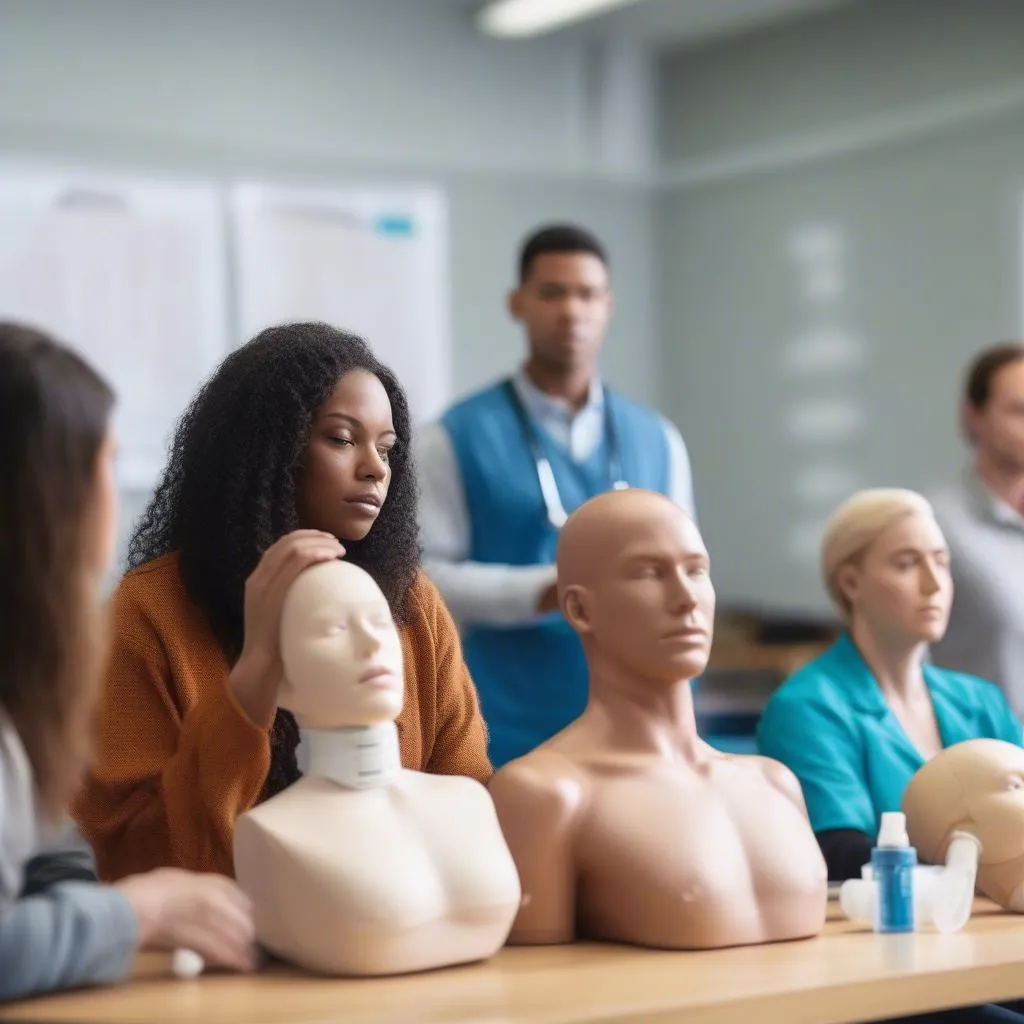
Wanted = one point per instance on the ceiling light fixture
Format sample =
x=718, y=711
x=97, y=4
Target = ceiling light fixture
x=519, y=18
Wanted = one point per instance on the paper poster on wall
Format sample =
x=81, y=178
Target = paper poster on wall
x=371, y=262
x=130, y=272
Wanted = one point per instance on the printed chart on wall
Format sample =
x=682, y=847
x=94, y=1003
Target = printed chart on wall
x=371, y=262
x=130, y=272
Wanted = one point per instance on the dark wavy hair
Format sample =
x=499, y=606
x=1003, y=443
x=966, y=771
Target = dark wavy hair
x=54, y=416
x=229, y=488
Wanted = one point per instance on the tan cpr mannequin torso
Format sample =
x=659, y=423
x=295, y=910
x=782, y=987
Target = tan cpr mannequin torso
x=626, y=826
x=975, y=787
x=362, y=867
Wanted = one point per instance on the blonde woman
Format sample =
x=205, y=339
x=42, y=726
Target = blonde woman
x=857, y=722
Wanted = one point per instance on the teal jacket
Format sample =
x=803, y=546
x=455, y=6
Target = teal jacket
x=831, y=726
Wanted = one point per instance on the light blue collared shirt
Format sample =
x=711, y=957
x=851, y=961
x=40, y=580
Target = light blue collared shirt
x=504, y=595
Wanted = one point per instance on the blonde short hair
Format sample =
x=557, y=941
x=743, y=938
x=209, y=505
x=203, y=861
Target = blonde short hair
x=856, y=525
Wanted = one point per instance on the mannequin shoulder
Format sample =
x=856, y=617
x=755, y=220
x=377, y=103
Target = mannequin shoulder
x=779, y=777
x=544, y=783
x=263, y=819
x=451, y=789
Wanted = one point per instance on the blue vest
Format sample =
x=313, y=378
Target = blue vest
x=532, y=680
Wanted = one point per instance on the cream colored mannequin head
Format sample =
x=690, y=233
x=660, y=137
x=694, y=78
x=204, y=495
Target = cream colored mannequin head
x=886, y=566
x=634, y=582
x=977, y=787
x=341, y=650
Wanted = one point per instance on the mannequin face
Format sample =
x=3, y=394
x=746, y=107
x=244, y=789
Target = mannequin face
x=341, y=650
x=901, y=589
x=993, y=790
x=650, y=606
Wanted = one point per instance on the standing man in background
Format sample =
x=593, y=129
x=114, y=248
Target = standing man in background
x=502, y=470
x=982, y=517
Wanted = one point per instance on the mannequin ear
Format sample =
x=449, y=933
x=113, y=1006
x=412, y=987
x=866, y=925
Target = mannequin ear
x=576, y=609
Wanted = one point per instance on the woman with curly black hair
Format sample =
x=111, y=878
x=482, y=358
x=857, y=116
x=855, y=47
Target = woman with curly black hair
x=296, y=451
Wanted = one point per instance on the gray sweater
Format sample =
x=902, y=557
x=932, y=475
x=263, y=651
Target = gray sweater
x=58, y=927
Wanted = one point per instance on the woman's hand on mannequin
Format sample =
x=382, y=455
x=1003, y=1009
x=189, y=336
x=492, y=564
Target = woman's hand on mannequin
x=208, y=914
x=257, y=674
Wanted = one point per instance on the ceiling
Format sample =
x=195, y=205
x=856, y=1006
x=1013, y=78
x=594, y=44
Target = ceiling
x=687, y=22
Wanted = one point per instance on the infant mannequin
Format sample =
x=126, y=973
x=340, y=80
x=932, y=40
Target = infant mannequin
x=626, y=826
x=362, y=867
x=975, y=787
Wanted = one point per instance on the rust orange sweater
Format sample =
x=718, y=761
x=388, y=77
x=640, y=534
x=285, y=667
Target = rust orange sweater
x=178, y=760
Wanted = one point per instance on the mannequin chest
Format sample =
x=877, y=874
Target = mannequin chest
x=671, y=858
x=385, y=857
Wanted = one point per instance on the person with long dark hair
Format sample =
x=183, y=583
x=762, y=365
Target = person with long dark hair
x=58, y=516
x=296, y=451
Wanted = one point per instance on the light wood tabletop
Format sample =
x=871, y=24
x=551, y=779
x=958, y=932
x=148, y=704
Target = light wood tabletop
x=846, y=975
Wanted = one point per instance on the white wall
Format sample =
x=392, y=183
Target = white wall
x=358, y=91
x=321, y=80
x=350, y=90
x=896, y=122
x=899, y=126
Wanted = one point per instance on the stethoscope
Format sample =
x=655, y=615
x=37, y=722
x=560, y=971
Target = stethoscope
x=545, y=474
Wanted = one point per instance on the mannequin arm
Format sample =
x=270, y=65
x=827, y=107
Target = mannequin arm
x=537, y=808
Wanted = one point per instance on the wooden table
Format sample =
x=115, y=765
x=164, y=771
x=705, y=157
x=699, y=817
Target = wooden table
x=845, y=975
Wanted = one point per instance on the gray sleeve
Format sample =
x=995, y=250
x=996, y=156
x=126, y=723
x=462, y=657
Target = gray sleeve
x=66, y=857
x=73, y=934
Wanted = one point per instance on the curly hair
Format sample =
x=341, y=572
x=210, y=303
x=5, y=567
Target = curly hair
x=229, y=488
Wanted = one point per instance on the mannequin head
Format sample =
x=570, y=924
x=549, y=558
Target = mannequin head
x=634, y=582
x=341, y=650
x=975, y=787
x=886, y=567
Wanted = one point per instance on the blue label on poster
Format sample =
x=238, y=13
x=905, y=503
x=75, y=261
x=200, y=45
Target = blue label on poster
x=395, y=225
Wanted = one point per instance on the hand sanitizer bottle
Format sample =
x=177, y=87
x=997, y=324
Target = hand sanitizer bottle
x=892, y=864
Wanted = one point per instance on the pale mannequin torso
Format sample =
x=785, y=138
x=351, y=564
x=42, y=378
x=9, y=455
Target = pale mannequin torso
x=656, y=852
x=626, y=826
x=363, y=867
x=406, y=876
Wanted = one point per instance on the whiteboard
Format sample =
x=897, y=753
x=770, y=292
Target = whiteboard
x=131, y=272
x=372, y=262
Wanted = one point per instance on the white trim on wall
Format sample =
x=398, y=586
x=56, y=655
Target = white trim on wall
x=893, y=128
x=802, y=149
